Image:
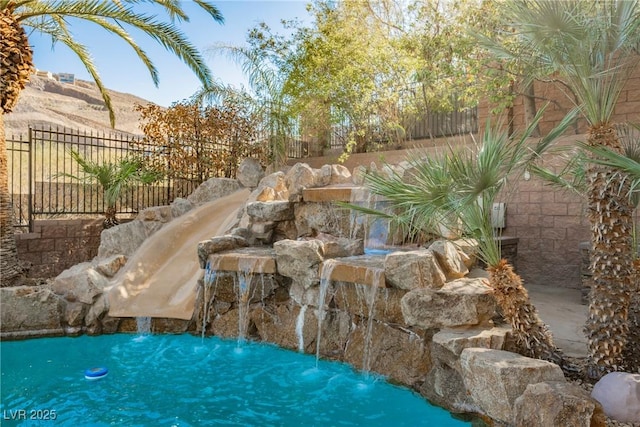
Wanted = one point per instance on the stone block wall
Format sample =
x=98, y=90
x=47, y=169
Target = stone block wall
x=55, y=245
x=549, y=223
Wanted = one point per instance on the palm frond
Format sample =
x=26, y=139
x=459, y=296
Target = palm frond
x=588, y=44
x=50, y=17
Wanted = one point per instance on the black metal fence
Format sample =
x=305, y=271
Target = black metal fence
x=39, y=165
x=414, y=126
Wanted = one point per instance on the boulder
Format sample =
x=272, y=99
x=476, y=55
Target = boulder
x=413, y=269
x=299, y=177
x=299, y=260
x=276, y=182
x=463, y=302
x=160, y=214
x=270, y=211
x=557, y=403
x=180, y=206
x=468, y=247
x=368, y=349
x=110, y=266
x=619, y=394
x=494, y=379
x=80, y=283
x=219, y=244
x=452, y=260
x=338, y=247
x=213, y=189
x=353, y=299
x=95, y=314
x=30, y=309
x=250, y=172
x=443, y=384
x=313, y=218
x=358, y=174
x=122, y=239
x=302, y=295
x=332, y=174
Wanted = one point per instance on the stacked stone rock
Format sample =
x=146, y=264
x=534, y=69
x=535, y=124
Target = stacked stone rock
x=435, y=325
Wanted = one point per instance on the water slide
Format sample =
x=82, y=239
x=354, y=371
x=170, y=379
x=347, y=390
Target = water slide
x=161, y=278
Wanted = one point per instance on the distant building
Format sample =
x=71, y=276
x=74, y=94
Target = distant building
x=45, y=74
x=66, y=78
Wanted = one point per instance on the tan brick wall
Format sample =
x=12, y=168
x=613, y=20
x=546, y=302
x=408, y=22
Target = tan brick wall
x=55, y=245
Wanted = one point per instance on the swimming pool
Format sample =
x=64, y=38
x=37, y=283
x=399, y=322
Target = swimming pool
x=183, y=380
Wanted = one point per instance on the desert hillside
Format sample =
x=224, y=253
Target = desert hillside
x=46, y=102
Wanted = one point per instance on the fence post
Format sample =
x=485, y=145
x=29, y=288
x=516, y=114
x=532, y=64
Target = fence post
x=31, y=179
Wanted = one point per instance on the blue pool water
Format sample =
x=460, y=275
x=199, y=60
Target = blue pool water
x=182, y=380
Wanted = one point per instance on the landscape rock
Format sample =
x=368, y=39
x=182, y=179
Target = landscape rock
x=180, y=206
x=108, y=267
x=299, y=177
x=557, y=403
x=276, y=182
x=464, y=302
x=470, y=248
x=332, y=174
x=30, y=308
x=160, y=214
x=219, y=244
x=299, y=260
x=250, y=172
x=80, y=283
x=213, y=189
x=314, y=218
x=452, y=260
x=270, y=211
x=443, y=385
x=407, y=364
x=122, y=239
x=494, y=379
x=337, y=247
x=619, y=394
x=413, y=269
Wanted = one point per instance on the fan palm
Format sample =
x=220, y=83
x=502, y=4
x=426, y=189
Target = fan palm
x=592, y=47
x=628, y=165
x=52, y=17
x=462, y=185
x=267, y=85
x=114, y=178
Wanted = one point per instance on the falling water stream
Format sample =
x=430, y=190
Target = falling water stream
x=300, y=328
x=371, y=292
x=210, y=277
x=247, y=268
x=325, y=280
x=143, y=325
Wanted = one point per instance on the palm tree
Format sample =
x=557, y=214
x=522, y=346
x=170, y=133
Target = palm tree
x=592, y=47
x=114, y=178
x=462, y=185
x=51, y=17
x=268, y=98
x=628, y=165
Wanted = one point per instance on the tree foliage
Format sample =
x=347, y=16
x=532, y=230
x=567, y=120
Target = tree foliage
x=374, y=66
x=196, y=143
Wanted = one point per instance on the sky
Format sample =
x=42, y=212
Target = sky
x=121, y=70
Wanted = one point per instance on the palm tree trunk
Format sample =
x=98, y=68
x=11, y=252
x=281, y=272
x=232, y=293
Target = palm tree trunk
x=10, y=269
x=611, y=218
x=631, y=353
x=110, y=218
x=531, y=334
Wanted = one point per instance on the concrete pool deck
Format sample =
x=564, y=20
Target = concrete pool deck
x=561, y=310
